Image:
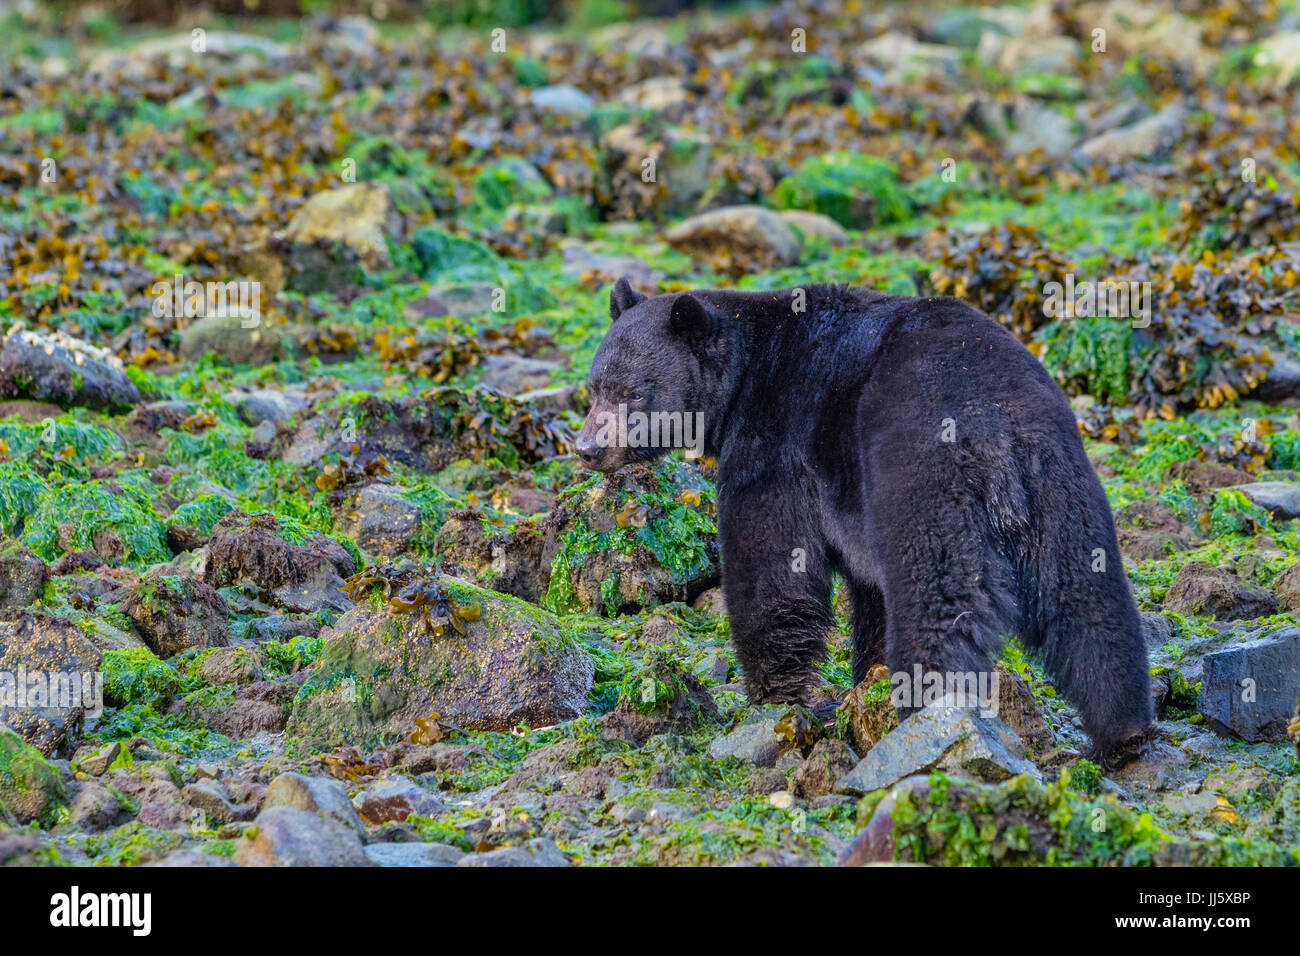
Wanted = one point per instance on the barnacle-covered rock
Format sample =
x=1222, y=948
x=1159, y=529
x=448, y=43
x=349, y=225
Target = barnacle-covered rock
x=56, y=367
x=60, y=666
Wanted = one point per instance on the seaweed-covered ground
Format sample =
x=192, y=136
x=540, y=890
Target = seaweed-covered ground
x=300, y=310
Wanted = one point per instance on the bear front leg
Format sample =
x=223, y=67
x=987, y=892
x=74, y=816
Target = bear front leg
x=777, y=587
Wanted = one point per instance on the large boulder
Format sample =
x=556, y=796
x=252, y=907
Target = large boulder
x=55, y=367
x=299, y=570
x=58, y=668
x=506, y=663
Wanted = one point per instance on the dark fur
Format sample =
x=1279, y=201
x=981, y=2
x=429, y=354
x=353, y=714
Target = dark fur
x=827, y=428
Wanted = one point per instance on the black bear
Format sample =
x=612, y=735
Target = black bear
x=912, y=445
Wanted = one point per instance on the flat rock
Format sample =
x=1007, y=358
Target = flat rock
x=1281, y=498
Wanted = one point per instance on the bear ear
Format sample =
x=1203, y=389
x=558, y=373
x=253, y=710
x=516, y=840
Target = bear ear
x=692, y=320
x=622, y=297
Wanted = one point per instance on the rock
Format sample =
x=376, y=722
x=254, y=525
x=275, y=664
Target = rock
x=958, y=740
x=286, y=836
x=1149, y=530
x=1251, y=688
x=97, y=761
x=382, y=522
x=55, y=367
x=1157, y=629
x=1281, y=384
x=320, y=796
x=413, y=854
x=562, y=98
x=22, y=577
x=1024, y=124
x=395, y=798
x=755, y=739
x=266, y=405
x=335, y=232
x=173, y=613
x=875, y=842
x=94, y=807
x=301, y=572
x=1201, y=589
x=829, y=760
x=664, y=95
x=736, y=239
x=209, y=798
x=536, y=852
x=380, y=670
x=579, y=260
x=869, y=713
x=1147, y=139
x=1018, y=709
x=230, y=665
x=30, y=788
x=815, y=225
x=227, y=337
x=1030, y=54
x=663, y=698
x=1200, y=476
x=711, y=601
x=1281, y=498
x=511, y=561
x=611, y=580
x=60, y=667
x=901, y=56
x=239, y=711
x=514, y=374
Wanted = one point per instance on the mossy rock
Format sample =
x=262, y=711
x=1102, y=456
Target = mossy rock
x=380, y=670
x=30, y=787
x=858, y=192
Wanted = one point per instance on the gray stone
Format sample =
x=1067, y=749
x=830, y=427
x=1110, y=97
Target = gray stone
x=414, y=854
x=1281, y=498
x=22, y=577
x=562, y=98
x=536, y=852
x=955, y=739
x=1250, y=688
x=99, y=761
x=754, y=739
x=55, y=367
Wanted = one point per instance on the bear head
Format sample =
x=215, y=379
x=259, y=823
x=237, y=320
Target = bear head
x=651, y=379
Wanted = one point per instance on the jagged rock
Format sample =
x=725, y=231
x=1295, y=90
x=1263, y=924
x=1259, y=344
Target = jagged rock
x=55, y=367
x=956, y=739
x=173, y=613
x=1250, y=688
x=380, y=670
x=300, y=573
